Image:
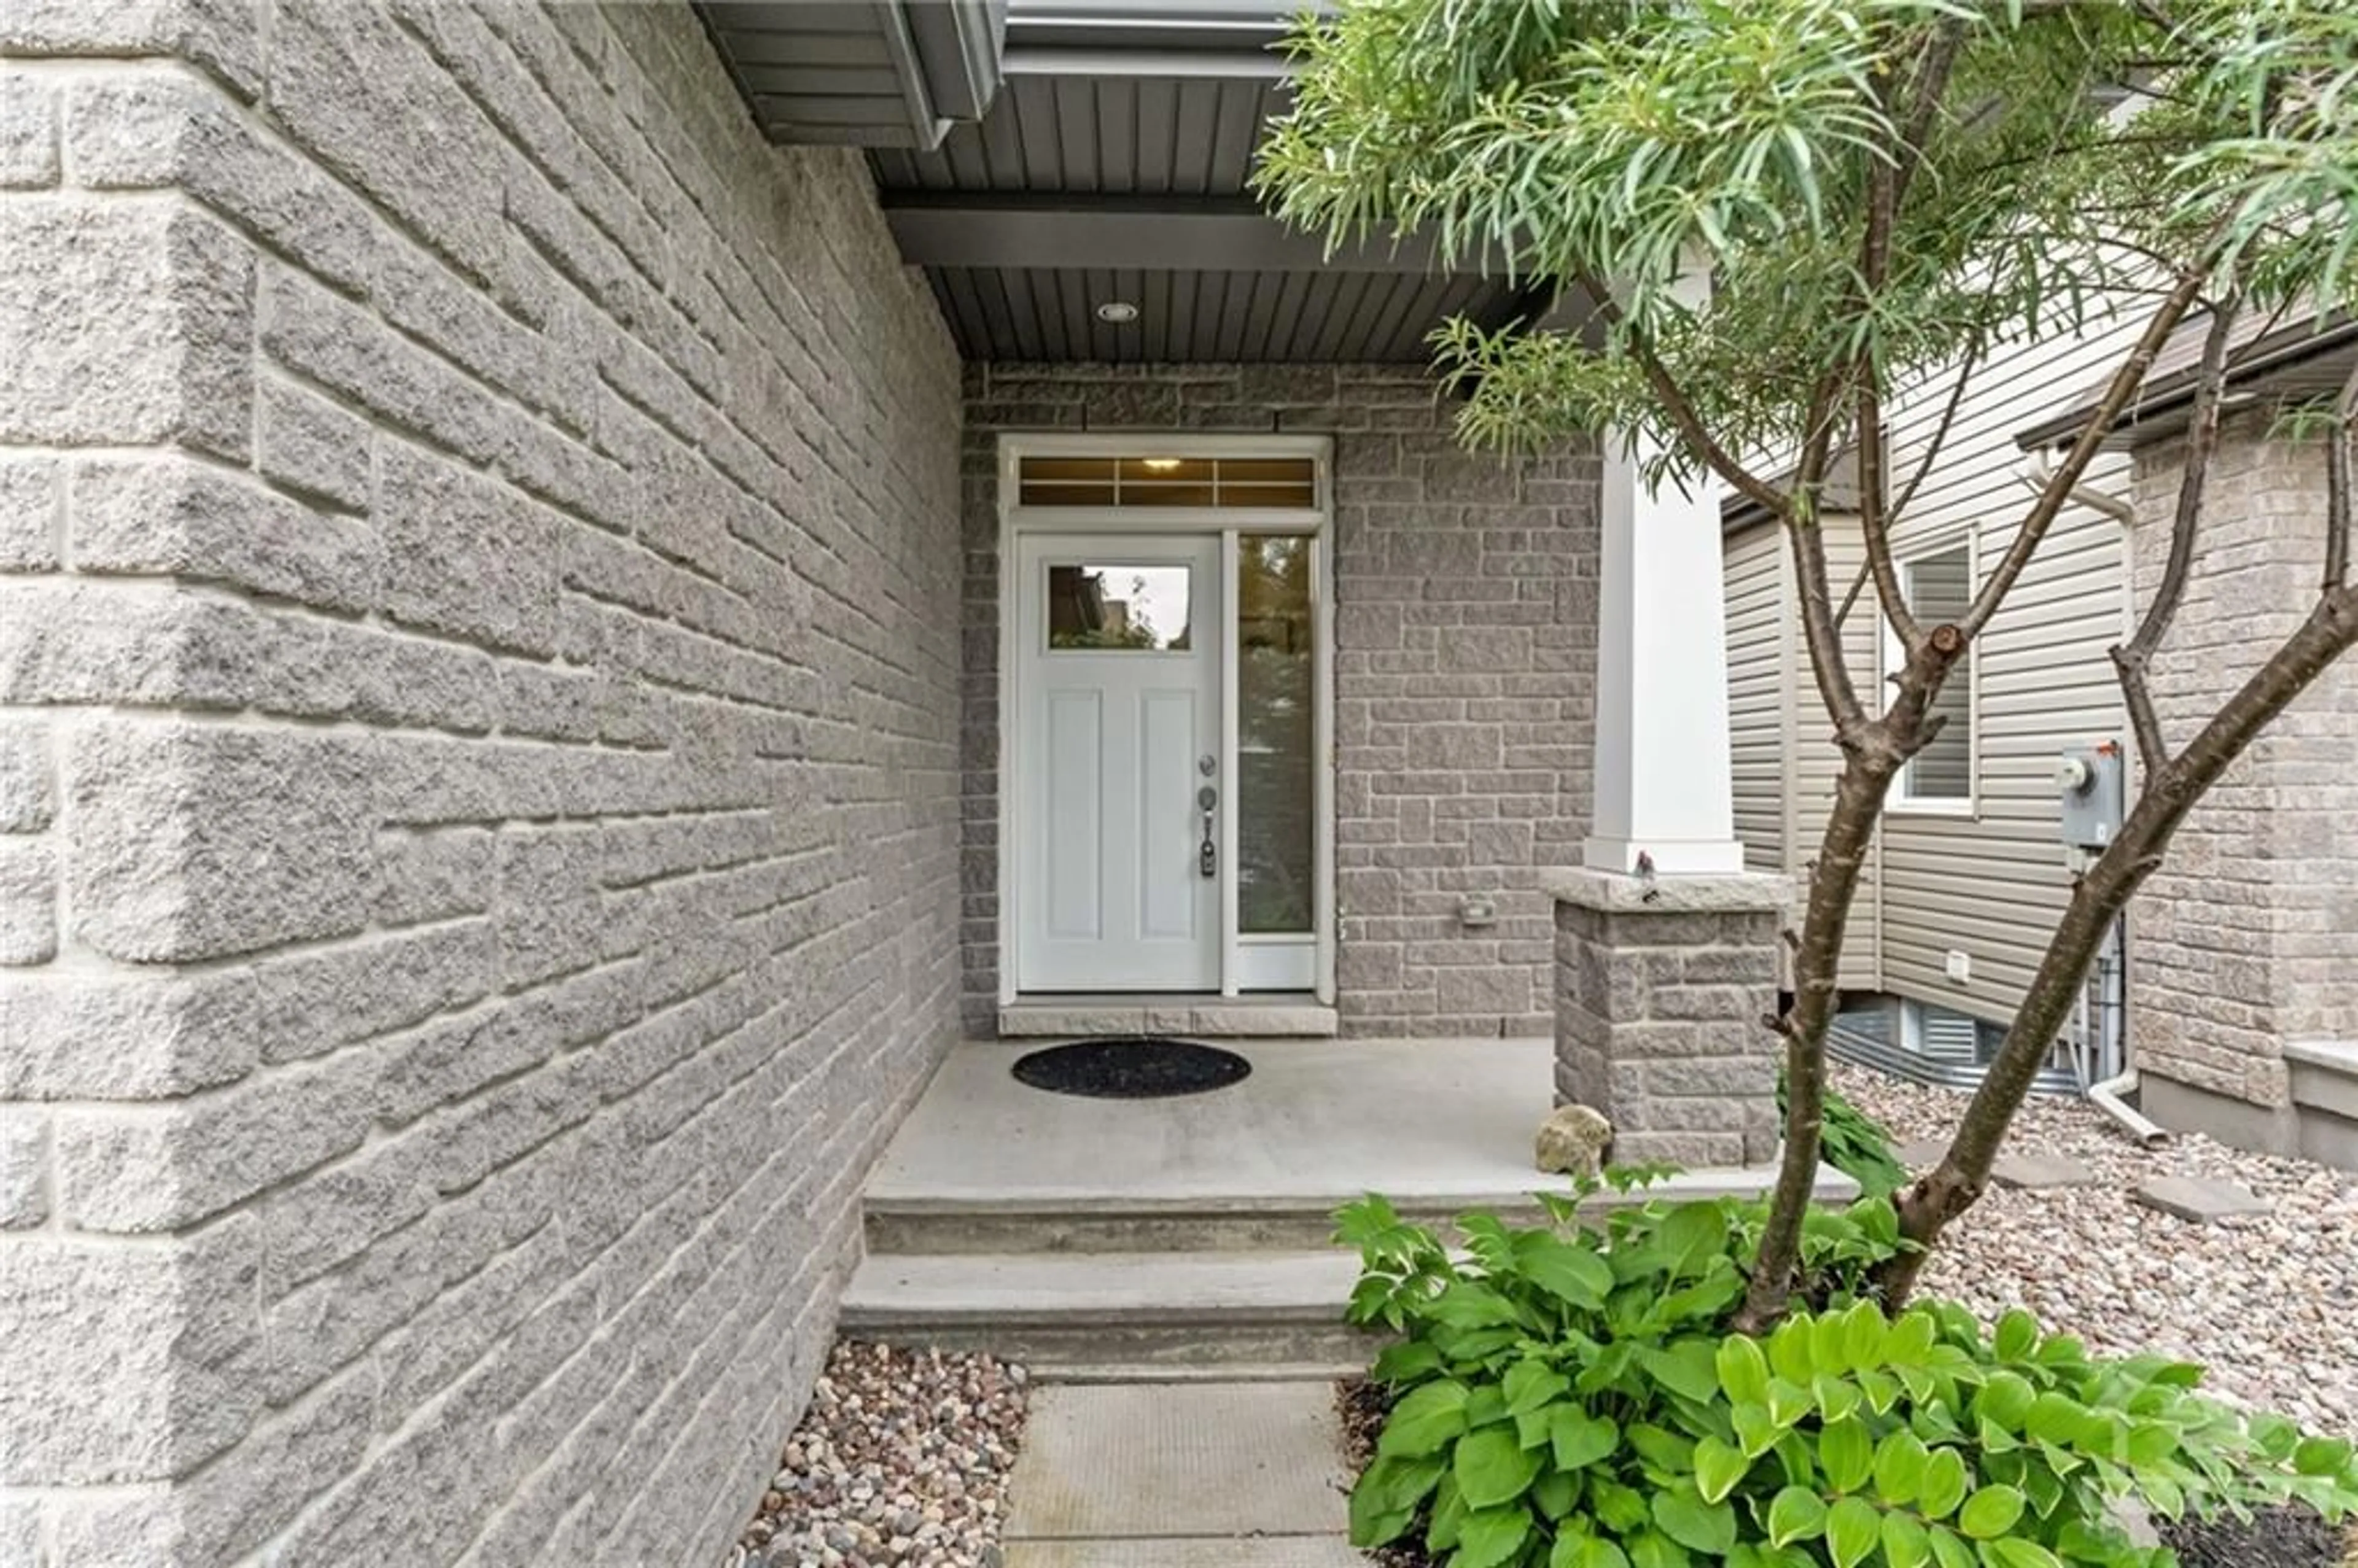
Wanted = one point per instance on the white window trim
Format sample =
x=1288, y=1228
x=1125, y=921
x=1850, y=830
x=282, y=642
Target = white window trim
x=1244, y=958
x=1900, y=802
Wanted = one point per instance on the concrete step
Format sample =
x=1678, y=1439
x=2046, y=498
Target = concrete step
x=943, y=1219
x=1093, y=1316
x=1305, y=1223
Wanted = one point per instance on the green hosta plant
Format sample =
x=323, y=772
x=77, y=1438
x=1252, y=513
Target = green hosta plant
x=1565, y=1397
x=1855, y=1144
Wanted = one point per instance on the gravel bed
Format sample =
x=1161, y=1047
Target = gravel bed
x=2267, y=1303
x=2289, y=1537
x=902, y=1459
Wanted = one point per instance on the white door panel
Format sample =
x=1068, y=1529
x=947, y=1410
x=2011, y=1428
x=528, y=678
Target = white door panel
x=1118, y=677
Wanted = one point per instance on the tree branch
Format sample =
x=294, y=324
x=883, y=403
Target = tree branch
x=1821, y=626
x=2132, y=658
x=1680, y=409
x=1817, y=960
x=1821, y=629
x=1875, y=524
x=2124, y=385
x=1966, y=367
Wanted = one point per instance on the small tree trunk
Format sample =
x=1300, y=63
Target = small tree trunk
x=1842, y=854
x=2097, y=902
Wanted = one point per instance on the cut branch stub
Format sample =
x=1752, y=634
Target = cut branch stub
x=1948, y=640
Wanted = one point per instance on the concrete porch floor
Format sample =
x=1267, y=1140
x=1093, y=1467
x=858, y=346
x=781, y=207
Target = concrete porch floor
x=1446, y=1120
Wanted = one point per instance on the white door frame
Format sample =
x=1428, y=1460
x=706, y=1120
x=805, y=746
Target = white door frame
x=1015, y=520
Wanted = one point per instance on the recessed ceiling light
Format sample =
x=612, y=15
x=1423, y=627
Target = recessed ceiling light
x=1162, y=465
x=1117, y=312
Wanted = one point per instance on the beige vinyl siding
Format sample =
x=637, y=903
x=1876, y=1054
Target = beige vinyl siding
x=1991, y=882
x=1785, y=761
x=1758, y=678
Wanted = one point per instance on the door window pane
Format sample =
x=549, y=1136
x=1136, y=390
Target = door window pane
x=1276, y=690
x=1139, y=609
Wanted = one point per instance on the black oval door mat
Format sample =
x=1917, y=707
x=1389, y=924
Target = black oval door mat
x=1140, y=1069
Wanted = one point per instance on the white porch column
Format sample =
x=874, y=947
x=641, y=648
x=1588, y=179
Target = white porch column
x=1663, y=787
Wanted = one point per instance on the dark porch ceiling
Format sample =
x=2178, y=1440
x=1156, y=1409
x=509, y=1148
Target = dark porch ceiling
x=1106, y=166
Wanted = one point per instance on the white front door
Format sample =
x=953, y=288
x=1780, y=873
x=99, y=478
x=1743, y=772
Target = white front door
x=1117, y=701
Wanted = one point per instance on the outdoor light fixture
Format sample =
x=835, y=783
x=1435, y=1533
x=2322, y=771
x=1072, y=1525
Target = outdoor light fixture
x=1162, y=465
x=1117, y=312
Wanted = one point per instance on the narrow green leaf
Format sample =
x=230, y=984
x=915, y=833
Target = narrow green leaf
x=1743, y=1369
x=1900, y=1465
x=1788, y=1352
x=1836, y=1397
x=2056, y=1418
x=1950, y=1550
x=1796, y=1514
x=1718, y=1468
x=1910, y=1339
x=2013, y=1551
x=2321, y=1455
x=1853, y=1530
x=1906, y=1543
x=1990, y=1512
x=1848, y=1453
x=2005, y=1399
x=1864, y=1331
x=1756, y=1432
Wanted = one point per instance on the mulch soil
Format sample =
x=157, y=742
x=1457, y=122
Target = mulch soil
x=2289, y=1537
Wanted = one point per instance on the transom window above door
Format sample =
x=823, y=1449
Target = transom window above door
x=1175, y=481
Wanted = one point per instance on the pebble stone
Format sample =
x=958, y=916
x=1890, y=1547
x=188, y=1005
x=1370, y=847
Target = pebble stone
x=2264, y=1301
x=900, y=1462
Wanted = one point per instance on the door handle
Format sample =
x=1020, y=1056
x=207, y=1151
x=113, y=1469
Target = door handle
x=1207, y=855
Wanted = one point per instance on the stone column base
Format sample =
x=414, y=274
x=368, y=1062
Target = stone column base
x=1662, y=989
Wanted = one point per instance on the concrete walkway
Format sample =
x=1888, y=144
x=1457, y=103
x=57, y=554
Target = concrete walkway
x=1180, y=1476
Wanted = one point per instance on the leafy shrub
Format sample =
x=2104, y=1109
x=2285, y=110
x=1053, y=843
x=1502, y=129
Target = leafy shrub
x=1855, y=1144
x=1567, y=1398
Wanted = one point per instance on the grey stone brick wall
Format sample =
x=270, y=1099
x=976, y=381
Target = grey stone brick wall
x=1464, y=665
x=478, y=826
x=1661, y=991
x=2247, y=935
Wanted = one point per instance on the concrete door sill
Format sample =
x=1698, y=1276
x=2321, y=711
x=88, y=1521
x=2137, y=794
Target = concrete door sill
x=1266, y=1016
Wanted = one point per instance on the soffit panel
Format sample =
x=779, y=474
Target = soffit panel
x=1042, y=314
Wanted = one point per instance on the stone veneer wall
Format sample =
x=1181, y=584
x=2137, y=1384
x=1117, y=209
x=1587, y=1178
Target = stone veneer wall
x=1663, y=988
x=2247, y=935
x=1465, y=658
x=478, y=767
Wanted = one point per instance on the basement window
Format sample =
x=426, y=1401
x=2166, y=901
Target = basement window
x=1939, y=586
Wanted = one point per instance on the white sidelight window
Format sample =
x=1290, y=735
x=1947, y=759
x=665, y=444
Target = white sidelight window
x=1939, y=586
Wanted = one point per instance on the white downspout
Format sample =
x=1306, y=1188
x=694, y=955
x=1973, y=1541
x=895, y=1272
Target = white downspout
x=2106, y=1096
